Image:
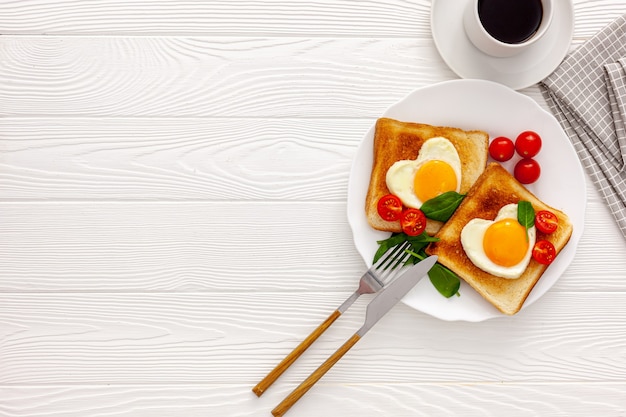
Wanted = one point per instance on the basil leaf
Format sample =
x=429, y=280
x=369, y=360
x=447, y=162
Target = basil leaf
x=417, y=243
x=418, y=246
x=525, y=214
x=443, y=206
x=444, y=280
x=421, y=240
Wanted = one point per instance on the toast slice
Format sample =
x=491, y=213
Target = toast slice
x=495, y=188
x=395, y=140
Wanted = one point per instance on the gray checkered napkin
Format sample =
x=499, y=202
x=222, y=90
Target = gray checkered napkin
x=587, y=94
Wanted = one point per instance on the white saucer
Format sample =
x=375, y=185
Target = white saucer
x=517, y=72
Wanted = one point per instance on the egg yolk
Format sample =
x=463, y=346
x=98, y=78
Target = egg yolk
x=433, y=178
x=505, y=242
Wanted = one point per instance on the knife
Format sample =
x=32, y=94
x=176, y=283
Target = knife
x=376, y=309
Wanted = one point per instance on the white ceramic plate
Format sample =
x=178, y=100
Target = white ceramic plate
x=500, y=111
x=517, y=72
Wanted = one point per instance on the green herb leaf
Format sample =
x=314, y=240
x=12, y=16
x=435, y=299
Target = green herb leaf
x=385, y=245
x=417, y=243
x=525, y=215
x=418, y=246
x=443, y=206
x=444, y=280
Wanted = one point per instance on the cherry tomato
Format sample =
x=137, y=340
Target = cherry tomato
x=389, y=207
x=544, y=252
x=528, y=144
x=546, y=221
x=527, y=171
x=502, y=149
x=413, y=222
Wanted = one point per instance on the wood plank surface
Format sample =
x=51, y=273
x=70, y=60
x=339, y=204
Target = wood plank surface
x=198, y=246
x=170, y=159
x=354, y=400
x=336, y=18
x=230, y=338
x=173, y=182
x=216, y=77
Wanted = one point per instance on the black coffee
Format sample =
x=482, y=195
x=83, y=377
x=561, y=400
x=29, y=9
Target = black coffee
x=510, y=21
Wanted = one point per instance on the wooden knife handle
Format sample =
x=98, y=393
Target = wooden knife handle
x=297, y=393
x=269, y=379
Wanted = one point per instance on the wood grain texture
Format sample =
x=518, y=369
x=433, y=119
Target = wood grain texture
x=109, y=247
x=354, y=400
x=336, y=18
x=216, y=18
x=173, y=177
x=172, y=159
x=234, y=338
x=197, y=246
x=169, y=159
x=217, y=77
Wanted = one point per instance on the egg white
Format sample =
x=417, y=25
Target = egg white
x=472, y=241
x=401, y=174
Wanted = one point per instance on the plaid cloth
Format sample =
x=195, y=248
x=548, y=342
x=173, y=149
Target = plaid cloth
x=587, y=94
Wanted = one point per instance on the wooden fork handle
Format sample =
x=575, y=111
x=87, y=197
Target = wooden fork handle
x=269, y=379
x=297, y=393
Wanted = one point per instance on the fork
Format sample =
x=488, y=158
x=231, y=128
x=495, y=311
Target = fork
x=373, y=280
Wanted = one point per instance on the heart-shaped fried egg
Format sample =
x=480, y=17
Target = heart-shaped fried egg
x=501, y=247
x=436, y=170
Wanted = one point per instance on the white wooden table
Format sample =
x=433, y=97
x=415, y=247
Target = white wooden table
x=173, y=181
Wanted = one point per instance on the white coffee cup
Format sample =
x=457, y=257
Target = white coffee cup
x=501, y=31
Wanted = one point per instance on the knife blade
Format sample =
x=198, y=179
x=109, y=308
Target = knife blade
x=389, y=297
x=376, y=309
